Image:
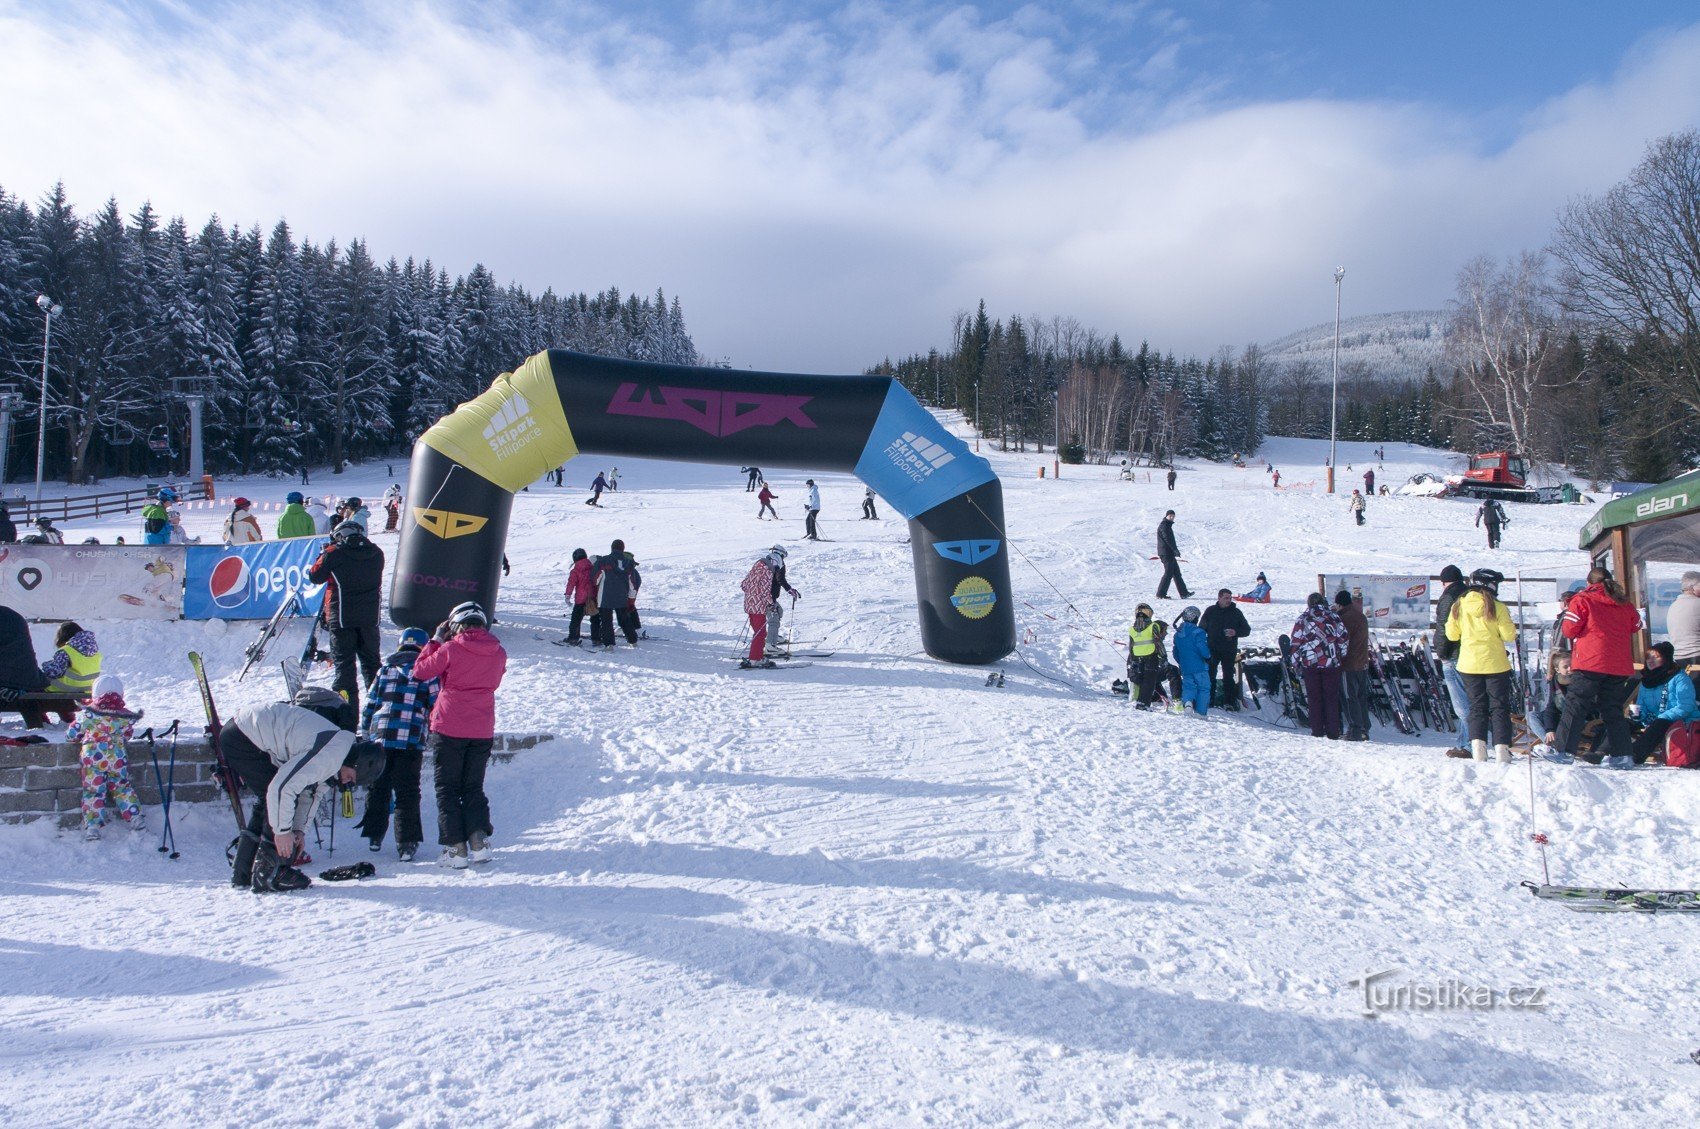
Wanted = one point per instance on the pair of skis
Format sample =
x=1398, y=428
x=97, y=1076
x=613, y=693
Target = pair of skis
x=1601, y=899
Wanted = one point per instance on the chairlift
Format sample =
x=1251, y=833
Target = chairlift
x=120, y=435
x=159, y=440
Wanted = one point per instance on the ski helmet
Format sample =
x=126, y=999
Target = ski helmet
x=294, y=498
x=414, y=637
x=1488, y=578
x=346, y=531
x=1190, y=613
x=1143, y=609
x=166, y=494
x=43, y=523
x=779, y=549
x=367, y=759
x=469, y=613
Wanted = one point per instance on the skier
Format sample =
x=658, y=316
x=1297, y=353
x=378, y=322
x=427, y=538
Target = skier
x=1481, y=625
x=241, y=527
x=48, y=533
x=766, y=498
x=1192, y=653
x=597, y=487
x=1354, y=668
x=614, y=478
x=352, y=570
x=579, y=590
x=396, y=716
x=757, y=587
x=284, y=753
x=1224, y=626
x=102, y=728
x=321, y=520
x=294, y=521
x=1275, y=477
x=1146, y=656
x=1319, y=645
x=74, y=666
x=178, y=535
x=560, y=476
x=1446, y=653
x=776, y=610
x=468, y=663
x=392, y=507
x=156, y=520
x=868, y=512
x=1369, y=481
x=304, y=481
x=1356, y=505
x=1601, y=624
x=755, y=478
x=1169, y=553
x=811, y=510
x=1171, y=477
x=1493, y=514
x=627, y=616
x=612, y=575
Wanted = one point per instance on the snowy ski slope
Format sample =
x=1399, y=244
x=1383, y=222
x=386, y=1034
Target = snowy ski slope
x=876, y=891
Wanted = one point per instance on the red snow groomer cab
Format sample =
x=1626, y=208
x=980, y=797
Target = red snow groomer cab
x=1495, y=474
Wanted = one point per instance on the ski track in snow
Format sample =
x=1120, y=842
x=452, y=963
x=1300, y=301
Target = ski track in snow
x=876, y=891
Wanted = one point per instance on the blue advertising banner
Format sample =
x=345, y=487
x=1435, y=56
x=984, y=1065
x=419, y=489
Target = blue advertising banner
x=247, y=581
x=913, y=462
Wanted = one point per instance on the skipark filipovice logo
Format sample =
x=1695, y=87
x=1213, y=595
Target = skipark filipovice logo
x=512, y=427
x=718, y=413
x=917, y=457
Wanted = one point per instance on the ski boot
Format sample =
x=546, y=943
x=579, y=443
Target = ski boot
x=478, y=848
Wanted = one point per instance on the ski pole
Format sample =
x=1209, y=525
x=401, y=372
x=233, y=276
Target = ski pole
x=159, y=782
x=167, y=791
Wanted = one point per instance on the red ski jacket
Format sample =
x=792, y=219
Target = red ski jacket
x=1601, y=629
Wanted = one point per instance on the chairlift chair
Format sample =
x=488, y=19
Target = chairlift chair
x=159, y=441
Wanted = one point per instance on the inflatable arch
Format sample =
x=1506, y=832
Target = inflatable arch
x=558, y=404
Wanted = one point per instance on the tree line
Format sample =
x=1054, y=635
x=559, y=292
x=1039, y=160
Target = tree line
x=303, y=354
x=1584, y=353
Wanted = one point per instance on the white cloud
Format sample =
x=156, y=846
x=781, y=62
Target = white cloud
x=819, y=194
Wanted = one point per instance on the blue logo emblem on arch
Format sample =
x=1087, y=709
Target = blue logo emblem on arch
x=967, y=552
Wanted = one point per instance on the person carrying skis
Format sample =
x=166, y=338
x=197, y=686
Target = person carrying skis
x=1356, y=505
x=294, y=521
x=1319, y=646
x=102, y=728
x=757, y=587
x=1192, y=654
x=1169, y=553
x=1146, y=656
x=1601, y=624
x=1354, y=667
x=468, y=663
x=596, y=488
x=1491, y=513
x=766, y=498
x=580, y=588
x=1480, y=623
x=352, y=570
x=811, y=511
x=1446, y=652
x=156, y=520
x=612, y=577
x=396, y=716
x=241, y=527
x=1171, y=477
x=1666, y=697
x=284, y=753
x=1224, y=626
x=868, y=512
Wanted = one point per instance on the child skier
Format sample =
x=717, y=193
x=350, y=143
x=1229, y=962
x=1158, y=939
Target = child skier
x=397, y=714
x=1146, y=657
x=1192, y=652
x=580, y=588
x=766, y=498
x=102, y=728
x=1356, y=505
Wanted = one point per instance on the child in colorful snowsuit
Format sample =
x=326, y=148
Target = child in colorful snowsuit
x=1192, y=653
x=397, y=715
x=102, y=728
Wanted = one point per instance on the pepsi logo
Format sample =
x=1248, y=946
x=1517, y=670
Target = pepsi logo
x=228, y=583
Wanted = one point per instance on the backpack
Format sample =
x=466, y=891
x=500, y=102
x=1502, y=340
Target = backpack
x=328, y=704
x=1682, y=744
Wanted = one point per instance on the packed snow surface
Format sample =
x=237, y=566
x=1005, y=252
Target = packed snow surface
x=876, y=891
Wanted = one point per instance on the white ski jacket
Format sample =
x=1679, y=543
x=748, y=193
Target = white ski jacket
x=307, y=749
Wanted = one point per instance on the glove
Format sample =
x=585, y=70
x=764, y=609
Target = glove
x=9, y=694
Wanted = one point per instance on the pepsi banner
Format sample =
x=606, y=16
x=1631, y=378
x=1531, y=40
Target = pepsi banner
x=558, y=403
x=248, y=581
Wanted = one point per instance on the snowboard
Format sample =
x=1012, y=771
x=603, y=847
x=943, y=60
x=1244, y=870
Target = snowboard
x=1597, y=899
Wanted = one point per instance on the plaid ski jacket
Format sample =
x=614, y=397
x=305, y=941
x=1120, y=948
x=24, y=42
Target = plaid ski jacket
x=398, y=708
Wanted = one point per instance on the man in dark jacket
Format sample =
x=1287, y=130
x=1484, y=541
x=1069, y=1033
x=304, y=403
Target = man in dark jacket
x=612, y=576
x=19, y=672
x=8, y=527
x=1224, y=626
x=1170, y=556
x=1447, y=652
x=352, y=570
x=1354, y=688
x=1492, y=514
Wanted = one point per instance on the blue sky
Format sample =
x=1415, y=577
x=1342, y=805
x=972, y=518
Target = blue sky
x=827, y=184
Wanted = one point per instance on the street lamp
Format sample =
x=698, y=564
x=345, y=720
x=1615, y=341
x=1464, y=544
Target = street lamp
x=977, y=427
x=1334, y=397
x=1056, y=447
x=49, y=309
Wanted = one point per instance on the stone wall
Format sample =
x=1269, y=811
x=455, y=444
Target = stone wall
x=45, y=781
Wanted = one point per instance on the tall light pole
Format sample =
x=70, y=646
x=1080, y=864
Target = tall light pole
x=1056, y=448
x=1334, y=397
x=49, y=309
x=977, y=428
